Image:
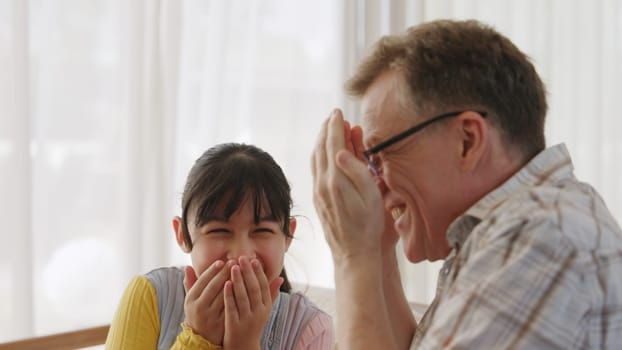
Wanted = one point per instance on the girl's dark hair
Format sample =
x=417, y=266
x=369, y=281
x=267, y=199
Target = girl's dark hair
x=225, y=176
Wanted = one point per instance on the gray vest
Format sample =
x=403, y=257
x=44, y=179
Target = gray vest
x=290, y=312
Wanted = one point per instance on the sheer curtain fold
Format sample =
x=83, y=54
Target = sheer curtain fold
x=15, y=168
x=152, y=56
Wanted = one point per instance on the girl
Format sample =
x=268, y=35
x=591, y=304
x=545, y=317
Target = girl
x=236, y=226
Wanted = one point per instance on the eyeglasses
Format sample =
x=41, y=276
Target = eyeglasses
x=374, y=162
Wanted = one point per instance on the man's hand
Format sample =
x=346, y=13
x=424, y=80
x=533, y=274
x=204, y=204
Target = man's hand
x=353, y=137
x=346, y=197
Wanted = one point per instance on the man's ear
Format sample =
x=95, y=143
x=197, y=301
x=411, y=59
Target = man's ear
x=292, y=229
x=474, y=136
x=178, y=225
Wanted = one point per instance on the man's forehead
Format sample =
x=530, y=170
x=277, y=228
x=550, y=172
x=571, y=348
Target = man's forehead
x=380, y=121
x=369, y=115
x=375, y=111
x=380, y=104
x=370, y=123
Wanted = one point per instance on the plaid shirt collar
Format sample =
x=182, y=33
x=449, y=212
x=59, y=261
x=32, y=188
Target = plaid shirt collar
x=551, y=165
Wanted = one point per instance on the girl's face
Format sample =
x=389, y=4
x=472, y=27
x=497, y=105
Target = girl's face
x=220, y=239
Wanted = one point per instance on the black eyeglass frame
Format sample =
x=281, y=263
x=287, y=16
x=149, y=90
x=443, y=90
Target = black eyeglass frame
x=404, y=134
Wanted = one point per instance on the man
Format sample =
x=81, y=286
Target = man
x=451, y=158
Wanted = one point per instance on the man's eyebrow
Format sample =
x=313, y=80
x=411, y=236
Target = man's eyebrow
x=366, y=116
x=372, y=138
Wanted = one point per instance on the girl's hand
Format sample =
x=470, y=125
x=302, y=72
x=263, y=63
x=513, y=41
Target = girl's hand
x=248, y=299
x=204, y=303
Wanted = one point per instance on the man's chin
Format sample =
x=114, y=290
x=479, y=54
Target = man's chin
x=413, y=254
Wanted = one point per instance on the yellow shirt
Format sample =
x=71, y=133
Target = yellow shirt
x=136, y=324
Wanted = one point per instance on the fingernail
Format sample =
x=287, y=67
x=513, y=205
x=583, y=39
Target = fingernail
x=255, y=263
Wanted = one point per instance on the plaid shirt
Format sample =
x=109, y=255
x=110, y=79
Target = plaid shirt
x=536, y=264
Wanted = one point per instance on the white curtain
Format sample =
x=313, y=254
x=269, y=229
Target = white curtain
x=105, y=104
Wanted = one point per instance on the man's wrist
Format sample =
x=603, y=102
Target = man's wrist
x=356, y=257
x=358, y=268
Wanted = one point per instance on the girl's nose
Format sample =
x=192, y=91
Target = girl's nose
x=241, y=247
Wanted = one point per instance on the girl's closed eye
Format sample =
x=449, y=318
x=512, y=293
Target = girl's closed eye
x=264, y=230
x=267, y=227
x=217, y=230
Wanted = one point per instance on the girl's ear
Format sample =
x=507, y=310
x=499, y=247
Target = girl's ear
x=179, y=234
x=292, y=229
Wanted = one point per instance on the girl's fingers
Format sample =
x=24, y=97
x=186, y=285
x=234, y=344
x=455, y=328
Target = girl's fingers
x=239, y=292
x=251, y=282
x=198, y=284
x=215, y=284
x=263, y=288
x=190, y=277
x=218, y=303
x=231, y=310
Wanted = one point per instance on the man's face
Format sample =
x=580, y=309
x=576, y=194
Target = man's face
x=417, y=172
